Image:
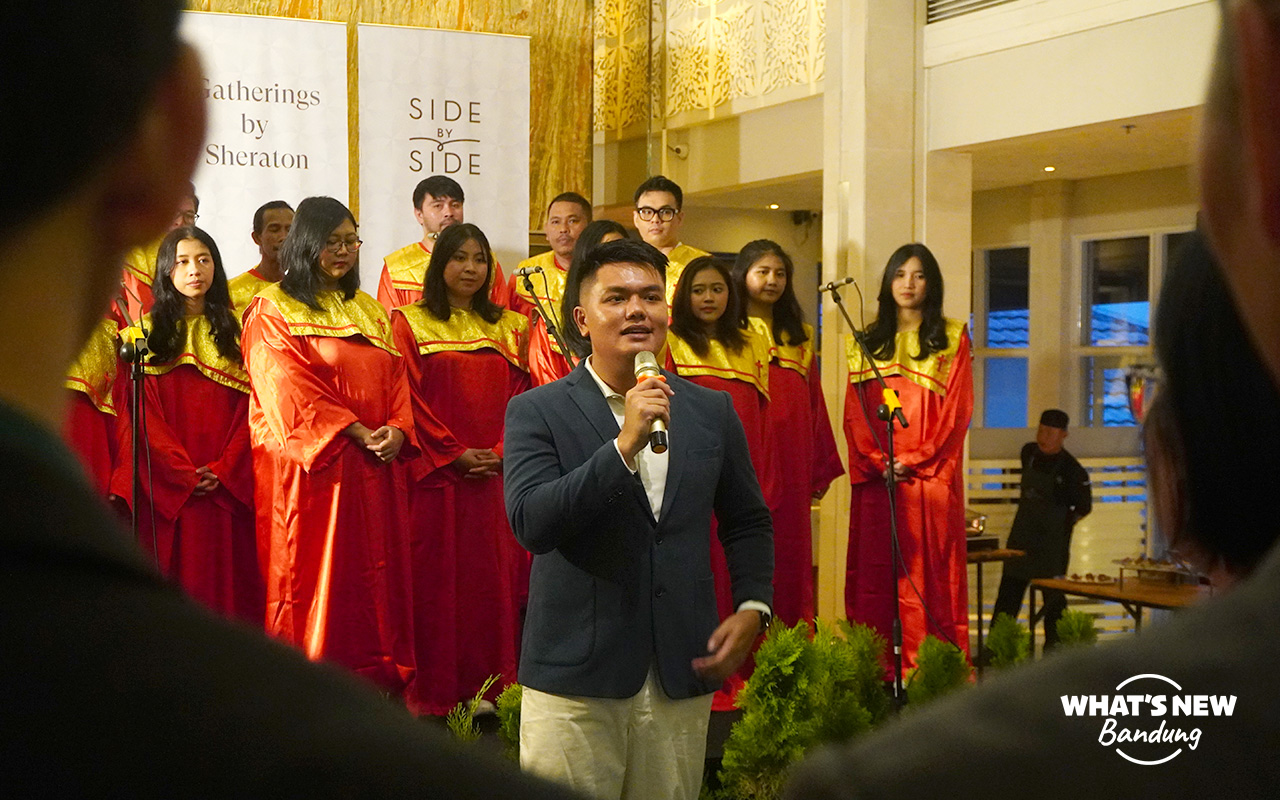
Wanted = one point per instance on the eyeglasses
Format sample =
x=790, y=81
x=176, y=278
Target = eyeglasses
x=665, y=214
x=187, y=217
x=335, y=247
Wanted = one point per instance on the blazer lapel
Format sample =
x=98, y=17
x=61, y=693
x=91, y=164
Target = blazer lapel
x=678, y=448
x=591, y=402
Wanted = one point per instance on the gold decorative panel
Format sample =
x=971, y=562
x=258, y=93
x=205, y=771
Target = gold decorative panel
x=705, y=53
x=560, y=57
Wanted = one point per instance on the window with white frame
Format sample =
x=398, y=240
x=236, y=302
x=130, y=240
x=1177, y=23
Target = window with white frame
x=1001, y=336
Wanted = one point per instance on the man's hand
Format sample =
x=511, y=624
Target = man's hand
x=385, y=443
x=475, y=463
x=207, y=481
x=648, y=400
x=728, y=646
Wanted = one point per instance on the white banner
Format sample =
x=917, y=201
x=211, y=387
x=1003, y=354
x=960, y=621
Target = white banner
x=277, y=100
x=449, y=103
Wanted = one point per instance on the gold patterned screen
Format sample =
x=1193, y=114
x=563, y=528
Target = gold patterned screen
x=706, y=53
x=560, y=43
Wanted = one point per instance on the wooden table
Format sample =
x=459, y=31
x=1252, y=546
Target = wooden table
x=1133, y=595
x=981, y=558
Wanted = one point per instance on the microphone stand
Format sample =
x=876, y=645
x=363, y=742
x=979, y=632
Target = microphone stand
x=546, y=319
x=888, y=411
x=134, y=353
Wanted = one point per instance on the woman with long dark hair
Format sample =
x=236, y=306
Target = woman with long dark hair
x=797, y=431
x=466, y=358
x=925, y=358
x=596, y=232
x=708, y=343
x=330, y=415
x=196, y=512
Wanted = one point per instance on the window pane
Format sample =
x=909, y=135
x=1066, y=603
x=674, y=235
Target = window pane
x=1008, y=319
x=1106, y=396
x=1117, y=296
x=1005, y=393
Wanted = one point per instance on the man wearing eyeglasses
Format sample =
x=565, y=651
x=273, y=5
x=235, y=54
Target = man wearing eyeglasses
x=438, y=202
x=658, y=216
x=140, y=263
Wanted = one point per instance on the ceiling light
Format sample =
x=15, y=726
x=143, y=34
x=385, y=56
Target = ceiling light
x=1050, y=169
x=773, y=206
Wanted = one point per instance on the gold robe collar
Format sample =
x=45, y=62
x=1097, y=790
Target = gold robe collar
x=797, y=357
x=931, y=373
x=359, y=316
x=200, y=351
x=466, y=331
x=407, y=267
x=548, y=285
x=94, y=370
x=750, y=364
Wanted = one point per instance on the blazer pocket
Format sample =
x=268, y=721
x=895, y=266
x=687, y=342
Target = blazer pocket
x=705, y=453
x=561, y=630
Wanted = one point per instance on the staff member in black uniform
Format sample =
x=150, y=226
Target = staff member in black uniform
x=1056, y=494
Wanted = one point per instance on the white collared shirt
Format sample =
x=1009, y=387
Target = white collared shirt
x=650, y=466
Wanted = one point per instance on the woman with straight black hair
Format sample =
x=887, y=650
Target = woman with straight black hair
x=330, y=415
x=708, y=343
x=196, y=512
x=465, y=357
x=597, y=232
x=925, y=358
x=797, y=431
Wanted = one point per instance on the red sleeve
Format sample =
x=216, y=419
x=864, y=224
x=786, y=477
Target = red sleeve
x=520, y=381
x=168, y=476
x=234, y=467
x=866, y=460
x=826, y=458
x=300, y=414
x=938, y=455
x=514, y=301
x=498, y=290
x=437, y=445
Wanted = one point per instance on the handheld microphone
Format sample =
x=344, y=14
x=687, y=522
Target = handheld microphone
x=647, y=367
x=833, y=285
x=526, y=271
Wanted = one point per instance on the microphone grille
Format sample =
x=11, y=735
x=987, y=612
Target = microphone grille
x=645, y=361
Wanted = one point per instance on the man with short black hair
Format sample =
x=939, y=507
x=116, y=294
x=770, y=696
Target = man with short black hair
x=438, y=202
x=567, y=215
x=115, y=683
x=623, y=647
x=1055, y=495
x=659, y=215
x=271, y=224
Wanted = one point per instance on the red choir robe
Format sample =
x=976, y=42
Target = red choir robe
x=470, y=574
x=404, y=271
x=89, y=427
x=546, y=362
x=196, y=414
x=799, y=438
x=745, y=377
x=243, y=288
x=138, y=275
x=937, y=399
x=331, y=517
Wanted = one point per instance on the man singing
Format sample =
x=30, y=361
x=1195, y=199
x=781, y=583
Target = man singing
x=622, y=644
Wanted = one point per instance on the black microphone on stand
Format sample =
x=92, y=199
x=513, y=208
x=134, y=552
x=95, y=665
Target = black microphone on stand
x=647, y=367
x=526, y=271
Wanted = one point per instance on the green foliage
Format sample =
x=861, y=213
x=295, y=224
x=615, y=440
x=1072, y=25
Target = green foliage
x=509, y=720
x=940, y=668
x=1009, y=642
x=462, y=719
x=805, y=691
x=1076, y=628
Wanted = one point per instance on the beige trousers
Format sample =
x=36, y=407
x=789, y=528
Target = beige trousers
x=646, y=747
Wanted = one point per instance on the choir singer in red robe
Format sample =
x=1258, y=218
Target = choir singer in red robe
x=466, y=358
x=925, y=358
x=196, y=509
x=329, y=415
x=797, y=430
